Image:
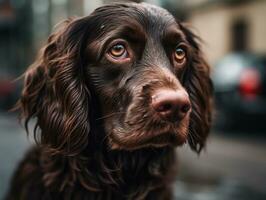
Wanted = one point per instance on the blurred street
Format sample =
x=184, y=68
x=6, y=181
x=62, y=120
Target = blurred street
x=231, y=168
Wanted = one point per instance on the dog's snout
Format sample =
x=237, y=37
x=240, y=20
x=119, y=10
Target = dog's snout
x=171, y=105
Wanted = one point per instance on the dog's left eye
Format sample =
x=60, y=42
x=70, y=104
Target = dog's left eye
x=118, y=51
x=179, y=55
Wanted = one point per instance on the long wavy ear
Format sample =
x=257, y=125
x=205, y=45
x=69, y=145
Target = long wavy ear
x=55, y=91
x=199, y=86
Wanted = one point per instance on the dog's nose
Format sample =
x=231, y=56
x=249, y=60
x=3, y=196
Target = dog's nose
x=171, y=105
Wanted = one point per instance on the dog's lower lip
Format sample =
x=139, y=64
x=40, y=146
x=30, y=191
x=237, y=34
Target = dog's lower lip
x=161, y=139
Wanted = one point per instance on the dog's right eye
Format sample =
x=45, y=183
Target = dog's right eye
x=118, y=52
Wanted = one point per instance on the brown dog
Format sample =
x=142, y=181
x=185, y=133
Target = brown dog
x=113, y=94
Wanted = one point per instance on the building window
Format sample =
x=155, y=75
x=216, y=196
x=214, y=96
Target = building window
x=240, y=35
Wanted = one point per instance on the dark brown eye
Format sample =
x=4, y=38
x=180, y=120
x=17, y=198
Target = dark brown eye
x=118, y=51
x=180, y=54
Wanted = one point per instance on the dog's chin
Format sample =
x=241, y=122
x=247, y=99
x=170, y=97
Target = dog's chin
x=169, y=139
x=130, y=135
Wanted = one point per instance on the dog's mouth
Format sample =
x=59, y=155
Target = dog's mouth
x=169, y=135
x=162, y=140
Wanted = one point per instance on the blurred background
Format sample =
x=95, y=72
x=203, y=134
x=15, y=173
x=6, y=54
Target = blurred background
x=233, y=166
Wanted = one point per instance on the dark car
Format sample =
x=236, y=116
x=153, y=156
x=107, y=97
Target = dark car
x=240, y=87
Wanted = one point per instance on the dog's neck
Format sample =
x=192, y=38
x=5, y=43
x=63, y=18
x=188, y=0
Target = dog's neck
x=148, y=167
x=136, y=166
x=145, y=168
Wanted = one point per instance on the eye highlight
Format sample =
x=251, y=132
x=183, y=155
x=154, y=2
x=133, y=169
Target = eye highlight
x=179, y=55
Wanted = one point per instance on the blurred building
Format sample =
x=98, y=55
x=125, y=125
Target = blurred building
x=26, y=24
x=229, y=25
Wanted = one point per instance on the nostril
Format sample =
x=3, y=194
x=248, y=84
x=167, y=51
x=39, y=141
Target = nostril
x=185, y=108
x=164, y=107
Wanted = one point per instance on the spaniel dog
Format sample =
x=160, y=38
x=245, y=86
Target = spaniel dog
x=112, y=94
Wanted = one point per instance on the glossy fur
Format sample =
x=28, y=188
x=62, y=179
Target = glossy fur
x=98, y=136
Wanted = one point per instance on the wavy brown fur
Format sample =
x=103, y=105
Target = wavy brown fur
x=76, y=97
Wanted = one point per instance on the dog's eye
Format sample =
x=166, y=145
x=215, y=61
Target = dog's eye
x=179, y=55
x=118, y=51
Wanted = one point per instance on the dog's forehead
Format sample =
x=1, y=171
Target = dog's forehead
x=144, y=13
x=157, y=12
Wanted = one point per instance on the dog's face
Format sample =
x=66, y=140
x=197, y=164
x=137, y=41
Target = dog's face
x=144, y=69
x=138, y=56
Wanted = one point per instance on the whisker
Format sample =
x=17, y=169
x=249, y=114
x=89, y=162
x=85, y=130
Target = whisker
x=110, y=115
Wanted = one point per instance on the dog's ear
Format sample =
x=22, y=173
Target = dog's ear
x=199, y=86
x=55, y=91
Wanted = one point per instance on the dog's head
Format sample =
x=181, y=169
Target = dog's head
x=132, y=69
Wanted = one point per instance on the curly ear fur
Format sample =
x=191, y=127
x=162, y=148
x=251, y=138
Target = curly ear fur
x=56, y=94
x=199, y=88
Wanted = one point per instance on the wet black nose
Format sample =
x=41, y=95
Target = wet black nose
x=171, y=105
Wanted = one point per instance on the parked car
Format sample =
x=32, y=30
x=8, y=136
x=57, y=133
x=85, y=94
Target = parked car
x=240, y=87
